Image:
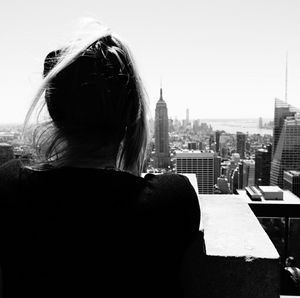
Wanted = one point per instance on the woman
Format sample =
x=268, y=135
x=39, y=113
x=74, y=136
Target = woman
x=81, y=221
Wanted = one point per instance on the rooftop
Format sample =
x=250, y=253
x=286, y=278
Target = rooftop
x=289, y=199
x=268, y=189
x=195, y=153
x=293, y=173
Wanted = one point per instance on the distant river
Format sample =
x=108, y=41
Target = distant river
x=249, y=126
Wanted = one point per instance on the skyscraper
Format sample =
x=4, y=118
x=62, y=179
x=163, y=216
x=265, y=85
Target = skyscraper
x=187, y=119
x=192, y=145
x=162, y=153
x=210, y=141
x=234, y=181
x=241, y=144
x=282, y=110
x=248, y=172
x=201, y=145
x=218, y=133
x=291, y=181
x=196, y=126
x=263, y=165
x=240, y=175
x=260, y=122
x=200, y=163
x=287, y=153
x=217, y=168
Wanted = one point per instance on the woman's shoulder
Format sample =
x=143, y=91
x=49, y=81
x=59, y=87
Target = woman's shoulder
x=174, y=198
x=15, y=173
x=170, y=187
x=10, y=177
x=10, y=171
x=169, y=181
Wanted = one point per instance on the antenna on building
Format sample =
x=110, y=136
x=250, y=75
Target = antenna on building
x=161, y=96
x=286, y=76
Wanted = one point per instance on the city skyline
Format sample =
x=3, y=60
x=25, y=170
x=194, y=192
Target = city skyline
x=219, y=59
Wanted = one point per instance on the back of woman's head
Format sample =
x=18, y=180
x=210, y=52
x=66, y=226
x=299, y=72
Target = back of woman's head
x=96, y=103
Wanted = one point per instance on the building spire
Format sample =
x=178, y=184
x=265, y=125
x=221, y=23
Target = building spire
x=161, y=92
x=286, y=77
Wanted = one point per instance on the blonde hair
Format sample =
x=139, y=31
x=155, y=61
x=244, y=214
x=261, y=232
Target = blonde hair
x=95, y=99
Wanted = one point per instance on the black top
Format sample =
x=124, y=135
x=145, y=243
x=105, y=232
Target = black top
x=83, y=232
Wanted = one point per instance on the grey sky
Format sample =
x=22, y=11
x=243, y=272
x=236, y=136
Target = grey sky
x=219, y=58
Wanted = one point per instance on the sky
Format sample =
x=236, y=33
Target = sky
x=218, y=58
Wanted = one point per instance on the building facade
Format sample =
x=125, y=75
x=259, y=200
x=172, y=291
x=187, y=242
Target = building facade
x=187, y=118
x=281, y=111
x=200, y=163
x=241, y=144
x=263, y=159
x=217, y=168
x=192, y=146
x=218, y=133
x=287, y=153
x=260, y=122
x=291, y=181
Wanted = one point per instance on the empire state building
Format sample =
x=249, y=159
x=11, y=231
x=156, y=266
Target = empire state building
x=162, y=153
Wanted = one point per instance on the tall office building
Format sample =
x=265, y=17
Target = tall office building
x=192, y=145
x=201, y=145
x=291, y=181
x=225, y=143
x=263, y=159
x=6, y=153
x=218, y=133
x=240, y=176
x=260, y=122
x=211, y=141
x=200, y=163
x=217, y=168
x=162, y=153
x=196, y=126
x=248, y=146
x=287, y=152
x=231, y=166
x=241, y=144
x=234, y=181
x=282, y=110
x=187, y=118
x=248, y=172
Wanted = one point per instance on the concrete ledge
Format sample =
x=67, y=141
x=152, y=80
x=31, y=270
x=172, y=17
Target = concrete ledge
x=232, y=229
x=233, y=256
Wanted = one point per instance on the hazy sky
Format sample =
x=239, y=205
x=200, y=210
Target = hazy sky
x=219, y=58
